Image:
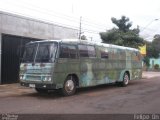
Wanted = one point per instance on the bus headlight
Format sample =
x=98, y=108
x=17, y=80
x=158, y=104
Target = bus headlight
x=47, y=78
x=21, y=77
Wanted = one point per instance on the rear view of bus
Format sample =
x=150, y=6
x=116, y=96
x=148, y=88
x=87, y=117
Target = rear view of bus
x=37, y=65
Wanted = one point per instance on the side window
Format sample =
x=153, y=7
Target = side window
x=91, y=51
x=72, y=51
x=83, y=51
x=64, y=53
x=87, y=51
x=104, y=53
x=68, y=51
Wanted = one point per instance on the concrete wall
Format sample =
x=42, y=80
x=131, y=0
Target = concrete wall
x=0, y=44
x=28, y=27
x=21, y=26
x=0, y=56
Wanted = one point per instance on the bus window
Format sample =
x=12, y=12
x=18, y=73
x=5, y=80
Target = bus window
x=91, y=51
x=83, y=51
x=64, y=53
x=104, y=53
x=87, y=51
x=68, y=51
x=45, y=52
x=29, y=53
x=72, y=51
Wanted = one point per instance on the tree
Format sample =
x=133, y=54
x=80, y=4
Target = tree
x=123, y=35
x=123, y=24
x=153, y=48
x=156, y=42
x=83, y=37
x=146, y=61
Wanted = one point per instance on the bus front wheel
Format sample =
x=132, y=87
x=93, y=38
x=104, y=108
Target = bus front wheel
x=69, y=87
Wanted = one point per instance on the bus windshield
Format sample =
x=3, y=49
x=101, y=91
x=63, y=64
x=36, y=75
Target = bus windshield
x=39, y=52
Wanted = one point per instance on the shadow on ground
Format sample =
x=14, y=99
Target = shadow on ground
x=56, y=94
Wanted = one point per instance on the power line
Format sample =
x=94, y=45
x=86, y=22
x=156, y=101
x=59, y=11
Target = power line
x=45, y=20
x=33, y=7
x=84, y=30
x=89, y=20
x=95, y=26
x=149, y=24
x=91, y=31
x=70, y=18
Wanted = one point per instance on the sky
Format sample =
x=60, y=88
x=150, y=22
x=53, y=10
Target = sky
x=96, y=14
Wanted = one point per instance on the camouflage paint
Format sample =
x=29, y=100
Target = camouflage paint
x=36, y=72
x=90, y=71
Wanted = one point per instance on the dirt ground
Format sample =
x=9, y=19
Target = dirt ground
x=140, y=96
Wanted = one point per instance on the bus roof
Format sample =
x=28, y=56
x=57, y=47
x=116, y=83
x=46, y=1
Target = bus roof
x=77, y=41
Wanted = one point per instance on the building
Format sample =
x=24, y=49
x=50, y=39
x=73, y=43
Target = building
x=153, y=62
x=15, y=32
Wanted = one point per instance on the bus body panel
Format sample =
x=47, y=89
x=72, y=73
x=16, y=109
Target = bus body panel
x=90, y=71
x=63, y=68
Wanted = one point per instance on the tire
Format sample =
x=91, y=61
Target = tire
x=39, y=90
x=126, y=79
x=69, y=87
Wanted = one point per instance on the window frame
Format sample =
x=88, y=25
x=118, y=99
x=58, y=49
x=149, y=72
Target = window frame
x=68, y=51
x=103, y=51
x=88, y=53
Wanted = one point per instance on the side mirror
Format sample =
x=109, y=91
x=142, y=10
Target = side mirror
x=55, y=60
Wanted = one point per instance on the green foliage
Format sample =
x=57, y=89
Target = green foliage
x=153, y=48
x=83, y=37
x=123, y=24
x=122, y=35
x=152, y=52
x=156, y=66
x=156, y=42
x=146, y=61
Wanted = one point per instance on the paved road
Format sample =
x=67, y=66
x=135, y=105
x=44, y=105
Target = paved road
x=141, y=96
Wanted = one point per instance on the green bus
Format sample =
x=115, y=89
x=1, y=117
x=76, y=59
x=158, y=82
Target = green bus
x=70, y=64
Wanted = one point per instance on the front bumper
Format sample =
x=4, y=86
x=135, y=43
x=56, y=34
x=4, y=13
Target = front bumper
x=39, y=85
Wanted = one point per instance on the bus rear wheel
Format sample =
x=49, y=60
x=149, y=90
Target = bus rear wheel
x=125, y=81
x=69, y=87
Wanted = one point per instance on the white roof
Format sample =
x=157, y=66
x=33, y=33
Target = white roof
x=87, y=42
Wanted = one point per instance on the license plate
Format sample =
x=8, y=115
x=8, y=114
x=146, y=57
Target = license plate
x=32, y=85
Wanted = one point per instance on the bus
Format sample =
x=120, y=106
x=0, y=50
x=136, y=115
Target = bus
x=70, y=64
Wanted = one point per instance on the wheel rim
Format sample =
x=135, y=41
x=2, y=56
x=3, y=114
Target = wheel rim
x=126, y=79
x=69, y=85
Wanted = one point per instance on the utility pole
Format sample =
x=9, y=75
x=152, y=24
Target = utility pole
x=80, y=27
